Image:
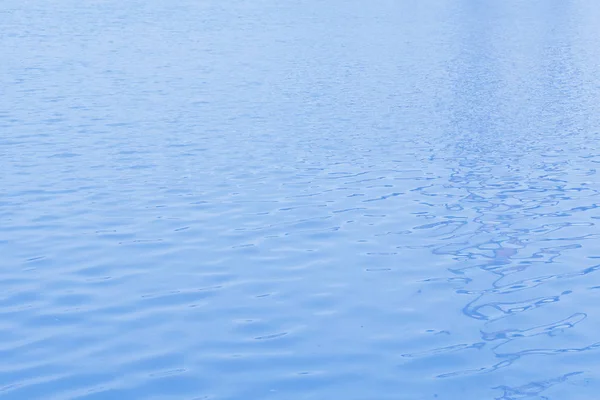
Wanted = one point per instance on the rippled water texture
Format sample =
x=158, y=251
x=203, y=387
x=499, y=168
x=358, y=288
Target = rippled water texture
x=240, y=200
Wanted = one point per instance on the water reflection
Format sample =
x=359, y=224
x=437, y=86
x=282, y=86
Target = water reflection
x=518, y=223
x=533, y=389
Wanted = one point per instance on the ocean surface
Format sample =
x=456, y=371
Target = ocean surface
x=299, y=200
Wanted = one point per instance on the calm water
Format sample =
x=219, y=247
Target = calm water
x=240, y=200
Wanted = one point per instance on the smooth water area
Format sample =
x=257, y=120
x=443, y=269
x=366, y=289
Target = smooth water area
x=243, y=200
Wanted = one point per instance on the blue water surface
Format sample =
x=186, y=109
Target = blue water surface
x=303, y=199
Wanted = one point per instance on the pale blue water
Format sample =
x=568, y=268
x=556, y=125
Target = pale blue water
x=243, y=200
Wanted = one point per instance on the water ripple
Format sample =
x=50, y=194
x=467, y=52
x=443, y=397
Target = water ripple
x=299, y=200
